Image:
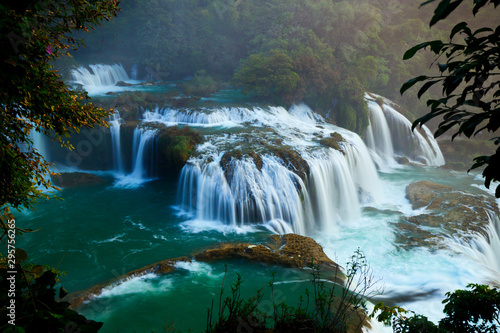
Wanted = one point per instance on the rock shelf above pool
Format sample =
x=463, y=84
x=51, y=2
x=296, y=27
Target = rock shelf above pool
x=290, y=251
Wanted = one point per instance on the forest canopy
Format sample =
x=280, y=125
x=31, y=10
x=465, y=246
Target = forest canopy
x=325, y=53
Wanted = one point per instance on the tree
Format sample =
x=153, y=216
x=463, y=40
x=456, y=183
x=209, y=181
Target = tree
x=469, y=70
x=34, y=98
x=473, y=310
x=270, y=75
x=32, y=95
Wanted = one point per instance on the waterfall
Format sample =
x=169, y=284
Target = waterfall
x=389, y=134
x=143, y=139
x=333, y=191
x=484, y=248
x=102, y=75
x=115, y=121
x=39, y=143
x=251, y=196
x=220, y=117
x=133, y=72
x=143, y=159
x=378, y=136
x=100, y=79
x=240, y=191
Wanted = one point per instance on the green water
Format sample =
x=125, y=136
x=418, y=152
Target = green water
x=97, y=233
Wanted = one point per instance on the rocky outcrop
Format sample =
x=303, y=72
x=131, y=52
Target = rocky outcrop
x=72, y=179
x=162, y=267
x=448, y=211
x=289, y=250
x=175, y=146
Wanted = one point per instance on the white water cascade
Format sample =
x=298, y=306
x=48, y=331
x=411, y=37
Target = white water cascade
x=241, y=192
x=100, y=78
x=143, y=159
x=133, y=72
x=39, y=143
x=115, y=121
x=389, y=134
x=482, y=248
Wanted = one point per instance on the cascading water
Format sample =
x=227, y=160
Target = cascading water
x=102, y=75
x=251, y=196
x=39, y=144
x=378, y=136
x=101, y=78
x=133, y=72
x=240, y=191
x=389, y=134
x=115, y=121
x=484, y=248
x=143, y=159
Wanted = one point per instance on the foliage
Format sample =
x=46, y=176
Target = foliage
x=323, y=309
x=33, y=99
x=35, y=304
x=469, y=69
x=269, y=75
x=475, y=310
x=201, y=85
x=322, y=44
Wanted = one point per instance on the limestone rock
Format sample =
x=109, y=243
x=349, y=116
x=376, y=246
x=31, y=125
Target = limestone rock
x=448, y=211
x=422, y=193
x=289, y=250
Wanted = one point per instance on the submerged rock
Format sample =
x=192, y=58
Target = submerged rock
x=162, y=267
x=72, y=179
x=448, y=211
x=288, y=250
x=123, y=84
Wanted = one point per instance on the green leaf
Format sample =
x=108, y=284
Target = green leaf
x=411, y=52
x=425, y=87
x=478, y=5
x=444, y=8
x=407, y=85
x=457, y=28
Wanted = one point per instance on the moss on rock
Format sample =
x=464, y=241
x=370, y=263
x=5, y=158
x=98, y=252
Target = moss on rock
x=175, y=146
x=333, y=141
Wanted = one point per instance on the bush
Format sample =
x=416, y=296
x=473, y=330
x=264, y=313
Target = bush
x=475, y=310
x=201, y=85
x=324, y=309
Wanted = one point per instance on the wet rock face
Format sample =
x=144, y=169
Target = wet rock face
x=72, y=179
x=289, y=250
x=175, y=146
x=448, y=211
